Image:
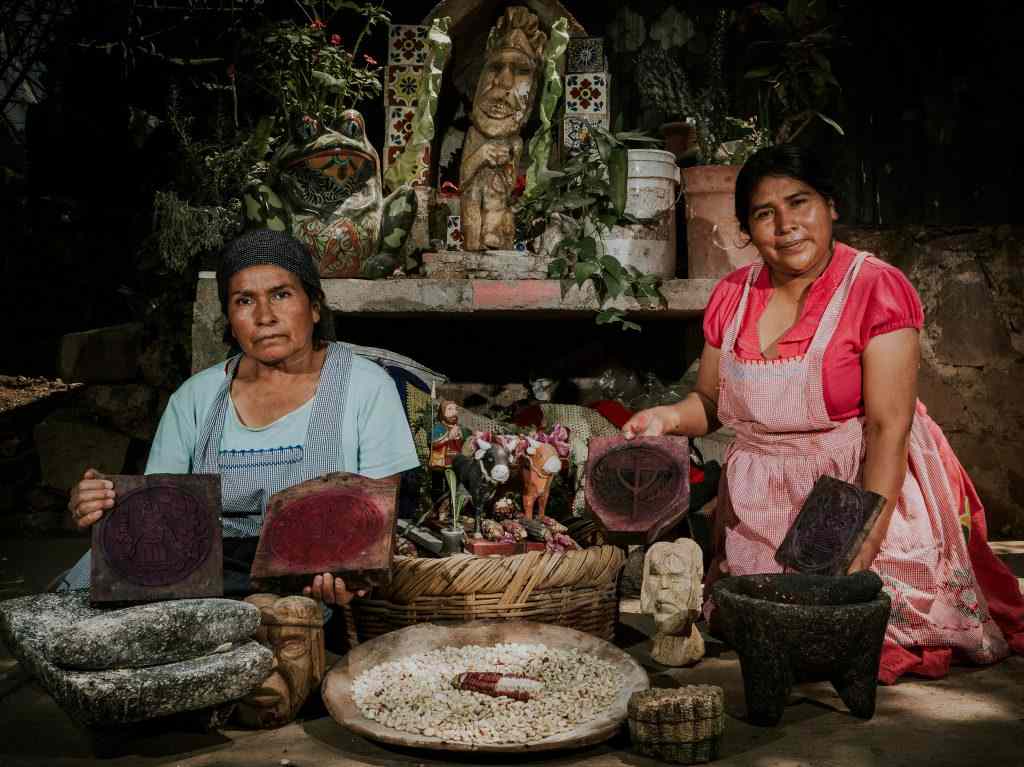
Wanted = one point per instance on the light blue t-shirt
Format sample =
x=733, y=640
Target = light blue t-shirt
x=375, y=437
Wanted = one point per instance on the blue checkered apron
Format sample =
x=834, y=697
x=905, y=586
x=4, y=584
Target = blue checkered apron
x=249, y=477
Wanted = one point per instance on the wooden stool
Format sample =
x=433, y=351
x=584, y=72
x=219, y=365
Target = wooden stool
x=682, y=725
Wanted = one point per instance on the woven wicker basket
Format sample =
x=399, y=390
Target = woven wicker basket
x=682, y=725
x=576, y=589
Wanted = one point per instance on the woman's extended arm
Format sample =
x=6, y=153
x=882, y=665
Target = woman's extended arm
x=890, y=393
x=694, y=415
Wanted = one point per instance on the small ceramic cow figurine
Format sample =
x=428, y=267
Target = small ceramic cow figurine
x=539, y=463
x=481, y=475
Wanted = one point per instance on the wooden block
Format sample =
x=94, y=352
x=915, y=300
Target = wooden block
x=488, y=548
x=529, y=546
x=831, y=527
x=339, y=523
x=637, y=489
x=161, y=540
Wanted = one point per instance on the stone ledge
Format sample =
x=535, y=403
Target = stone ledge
x=418, y=296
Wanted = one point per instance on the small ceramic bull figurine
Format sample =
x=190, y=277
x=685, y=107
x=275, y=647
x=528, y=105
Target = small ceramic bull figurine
x=539, y=464
x=481, y=475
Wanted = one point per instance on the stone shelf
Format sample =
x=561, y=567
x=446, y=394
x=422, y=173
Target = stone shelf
x=414, y=297
x=411, y=296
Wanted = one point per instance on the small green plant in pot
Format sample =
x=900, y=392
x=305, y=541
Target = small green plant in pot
x=575, y=208
x=704, y=102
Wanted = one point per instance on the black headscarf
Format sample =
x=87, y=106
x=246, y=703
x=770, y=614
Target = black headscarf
x=259, y=247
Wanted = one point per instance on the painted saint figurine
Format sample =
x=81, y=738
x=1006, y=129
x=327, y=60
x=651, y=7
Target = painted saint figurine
x=671, y=592
x=447, y=437
x=292, y=627
x=504, y=99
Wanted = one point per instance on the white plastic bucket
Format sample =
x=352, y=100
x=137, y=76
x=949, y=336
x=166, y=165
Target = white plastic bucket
x=651, y=192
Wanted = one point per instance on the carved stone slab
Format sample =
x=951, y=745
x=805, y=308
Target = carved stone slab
x=831, y=527
x=338, y=523
x=161, y=540
x=639, y=488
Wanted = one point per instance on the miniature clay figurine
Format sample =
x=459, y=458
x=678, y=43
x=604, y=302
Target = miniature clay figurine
x=323, y=187
x=504, y=99
x=292, y=627
x=540, y=463
x=481, y=475
x=671, y=592
x=447, y=437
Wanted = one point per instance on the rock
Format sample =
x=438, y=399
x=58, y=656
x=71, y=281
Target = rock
x=68, y=445
x=122, y=696
x=973, y=333
x=632, y=574
x=102, y=355
x=130, y=408
x=151, y=635
x=793, y=627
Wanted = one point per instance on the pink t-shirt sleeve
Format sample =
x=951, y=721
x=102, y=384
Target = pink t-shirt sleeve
x=892, y=304
x=722, y=306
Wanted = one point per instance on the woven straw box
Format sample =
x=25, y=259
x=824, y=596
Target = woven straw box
x=683, y=725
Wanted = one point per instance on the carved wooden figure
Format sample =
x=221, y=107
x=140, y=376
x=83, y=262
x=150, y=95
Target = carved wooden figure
x=540, y=463
x=639, y=488
x=671, y=592
x=292, y=627
x=339, y=523
x=161, y=540
x=503, y=101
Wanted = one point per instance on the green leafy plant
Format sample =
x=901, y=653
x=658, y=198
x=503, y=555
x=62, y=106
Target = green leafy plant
x=584, y=200
x=311, y=70
x=790, y=67
x=665, y=83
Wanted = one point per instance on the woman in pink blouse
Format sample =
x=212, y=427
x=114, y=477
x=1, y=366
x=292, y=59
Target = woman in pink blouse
x=811, y=356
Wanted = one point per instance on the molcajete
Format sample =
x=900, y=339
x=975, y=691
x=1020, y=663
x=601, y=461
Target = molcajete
x=792, y=627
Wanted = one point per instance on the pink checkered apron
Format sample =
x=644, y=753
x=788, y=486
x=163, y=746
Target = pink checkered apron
x=785, y=440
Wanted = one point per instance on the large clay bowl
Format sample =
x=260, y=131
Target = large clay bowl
x=423, y=637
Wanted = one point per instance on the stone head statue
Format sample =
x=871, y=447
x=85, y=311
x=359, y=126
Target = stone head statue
x=292, y=627
x=507, y=86
x=671, y=592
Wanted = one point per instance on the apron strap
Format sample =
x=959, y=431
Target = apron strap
x=733, y=330
x=207, y=448
x=830, y=317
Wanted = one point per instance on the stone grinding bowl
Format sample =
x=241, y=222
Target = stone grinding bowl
x=424, y=637
x=792, y=627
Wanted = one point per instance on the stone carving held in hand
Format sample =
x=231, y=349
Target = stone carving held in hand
x=671, y=592
x=292, y=627
x=119, y=696
x=504, y=99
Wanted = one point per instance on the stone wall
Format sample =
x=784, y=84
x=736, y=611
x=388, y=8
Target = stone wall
x=971, y=282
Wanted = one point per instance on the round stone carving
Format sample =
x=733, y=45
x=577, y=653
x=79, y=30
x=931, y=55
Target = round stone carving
x=635, y=477
x=157, y=535
x=308, y=530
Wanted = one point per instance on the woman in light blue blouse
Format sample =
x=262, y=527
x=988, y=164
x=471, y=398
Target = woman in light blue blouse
x=290, y=406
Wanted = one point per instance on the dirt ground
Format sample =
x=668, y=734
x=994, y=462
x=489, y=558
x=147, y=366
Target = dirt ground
x=974, y=716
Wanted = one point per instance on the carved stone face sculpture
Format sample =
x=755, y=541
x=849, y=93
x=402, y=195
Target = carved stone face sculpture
x=505, y=92
x=292, y=627
x=671, y=592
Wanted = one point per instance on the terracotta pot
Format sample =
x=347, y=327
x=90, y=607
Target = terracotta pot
x=714, y=244
x=679, y=137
